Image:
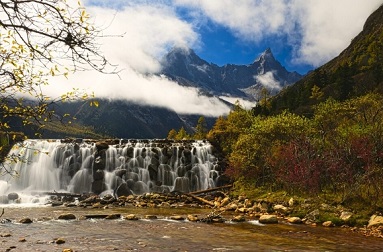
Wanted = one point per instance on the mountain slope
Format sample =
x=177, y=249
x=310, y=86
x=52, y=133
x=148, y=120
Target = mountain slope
x=185, y=67
x=356, y=71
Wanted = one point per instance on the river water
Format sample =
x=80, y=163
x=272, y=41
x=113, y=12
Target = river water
x=164, y=234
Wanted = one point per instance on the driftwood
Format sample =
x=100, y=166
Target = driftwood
x=200, y=199
x=212, y=189
x=62, y=194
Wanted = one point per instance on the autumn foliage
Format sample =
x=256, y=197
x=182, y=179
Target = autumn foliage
x=338, y=150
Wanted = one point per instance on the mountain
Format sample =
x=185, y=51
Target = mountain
x=354, y=72
x=119, y=119
x=245, y=81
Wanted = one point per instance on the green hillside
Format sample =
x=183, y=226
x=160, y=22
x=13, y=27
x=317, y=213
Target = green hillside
x=358, y=70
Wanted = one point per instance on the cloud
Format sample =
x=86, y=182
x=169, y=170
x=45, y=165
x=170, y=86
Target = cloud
x=268, y=81
x=317, y=30
x=148, y=32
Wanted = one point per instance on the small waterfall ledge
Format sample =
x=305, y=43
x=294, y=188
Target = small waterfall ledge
x=118, y=167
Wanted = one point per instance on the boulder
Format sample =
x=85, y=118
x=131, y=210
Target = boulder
x=131, y=217
x=99, y=175
x=177, y=218
x=238, y=218
x=268, y=219
x=375, y=221
x=66, y=216
x=13, y=196
x=98, y=186
x=328, y=224
x=294, y=220
x=225, y=201
x=25, y=220
x=150, y=217
x=232, y=207
x=192, y=217
x=113, y=216
x=60, y=241
x=123, y=190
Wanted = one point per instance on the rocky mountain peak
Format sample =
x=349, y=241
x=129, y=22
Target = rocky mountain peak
x=267, y=55
x=188, y=69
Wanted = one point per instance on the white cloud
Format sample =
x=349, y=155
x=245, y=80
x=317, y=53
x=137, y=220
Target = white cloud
x=148, y=31
x=268, y=81
x=318, y=30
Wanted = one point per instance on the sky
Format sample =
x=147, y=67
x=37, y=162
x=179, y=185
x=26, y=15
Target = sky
x=302, y=34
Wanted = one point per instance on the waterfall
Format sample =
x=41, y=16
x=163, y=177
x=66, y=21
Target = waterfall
x=123, y=168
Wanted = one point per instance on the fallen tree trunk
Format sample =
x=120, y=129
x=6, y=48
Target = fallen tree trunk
x=62, y=194
x=200, y=199
x=212, y=189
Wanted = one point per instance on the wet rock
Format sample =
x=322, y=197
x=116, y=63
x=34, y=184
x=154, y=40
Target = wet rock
x=225, y=201
x=328, y=224
x=99, y=175
x=150, y=217
x=67, y=216
x=13, y=196
x=192, y=217
x=294, y=220
x=120, y=172
x=375, y=221
x=55, y=203
x=102, y=146
x=35, y=200
x=91, y=199
x=177, y=218
x=60, y=241
x=131, y=217
x=113, y=216
x=123, y=190
x=242, y=210
x=268, y=219
x=25, y=220
x=238, y=218
x=232, y=207
x=98, y=186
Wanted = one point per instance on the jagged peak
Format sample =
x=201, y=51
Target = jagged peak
x=266, y=55
x=179, y=50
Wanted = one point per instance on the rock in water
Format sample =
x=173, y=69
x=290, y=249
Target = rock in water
x=268, y=219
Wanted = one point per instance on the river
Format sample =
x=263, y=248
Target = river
x=164, y=234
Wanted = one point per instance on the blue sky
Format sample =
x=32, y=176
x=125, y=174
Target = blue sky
x=303, y=35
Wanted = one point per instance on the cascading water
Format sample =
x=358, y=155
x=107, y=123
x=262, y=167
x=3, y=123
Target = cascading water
x=123, y=168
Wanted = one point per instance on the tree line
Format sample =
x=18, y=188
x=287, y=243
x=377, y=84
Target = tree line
x=337, y=151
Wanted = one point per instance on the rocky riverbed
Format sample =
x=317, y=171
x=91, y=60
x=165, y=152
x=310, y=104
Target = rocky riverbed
x=216, y=206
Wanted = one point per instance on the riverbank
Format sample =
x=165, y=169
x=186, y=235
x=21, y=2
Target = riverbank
x=221, y=206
